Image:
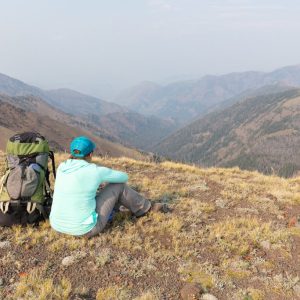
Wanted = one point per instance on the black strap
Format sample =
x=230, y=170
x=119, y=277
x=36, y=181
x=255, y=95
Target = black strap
x=51, y=155
x=47, y=177
x=41, y=209
x=27, y=159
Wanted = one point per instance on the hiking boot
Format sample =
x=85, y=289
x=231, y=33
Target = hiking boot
x=155, y=207
x=160, y=207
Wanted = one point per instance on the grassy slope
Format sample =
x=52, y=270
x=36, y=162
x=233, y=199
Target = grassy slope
x=231, y=231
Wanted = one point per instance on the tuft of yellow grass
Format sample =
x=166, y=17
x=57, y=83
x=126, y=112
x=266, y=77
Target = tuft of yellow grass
x=147, y=296
x=113, y=292
x=196, y=273
x=36, y=286
x=238, y=235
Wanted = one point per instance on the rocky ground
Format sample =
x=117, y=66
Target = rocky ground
x=231, y=235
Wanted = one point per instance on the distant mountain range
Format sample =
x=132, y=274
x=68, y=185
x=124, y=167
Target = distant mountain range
x=112, y=121
x=185, y=101
x=260, y=133
x=66, y=100
x=79, y=104
x=248, y=119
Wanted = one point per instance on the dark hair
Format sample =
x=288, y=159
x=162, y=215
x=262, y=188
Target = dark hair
x=78, y=152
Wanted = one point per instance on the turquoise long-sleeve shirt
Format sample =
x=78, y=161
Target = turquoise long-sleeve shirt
x=74, y=199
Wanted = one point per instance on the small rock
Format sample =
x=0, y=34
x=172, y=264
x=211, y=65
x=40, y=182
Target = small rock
x=208, y=297
x=221, y=203
x=68, y=260
x=247, y=210
x=296, y=289
x=23, y=274
x=4, y=244
x=18, y=264
x=190, y=291
x=266, y=245
x=294, y=222
x=1, y=281
x=92, y=267
x=34, y=261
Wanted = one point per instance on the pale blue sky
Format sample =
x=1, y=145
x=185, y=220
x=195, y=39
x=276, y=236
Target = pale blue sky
x=98, y=45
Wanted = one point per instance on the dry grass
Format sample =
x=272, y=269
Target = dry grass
x=214, y=237
x=36, y=286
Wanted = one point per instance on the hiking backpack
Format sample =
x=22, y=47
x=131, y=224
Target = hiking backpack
x=26, y=183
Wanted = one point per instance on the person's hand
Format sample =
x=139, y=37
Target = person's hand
x=103, y=185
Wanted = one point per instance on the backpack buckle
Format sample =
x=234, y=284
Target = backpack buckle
x=31, y=207
x=4, y=206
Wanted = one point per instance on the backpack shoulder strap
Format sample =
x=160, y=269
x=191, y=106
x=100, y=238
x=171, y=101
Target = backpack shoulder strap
x=4, y=201
x=3, y=181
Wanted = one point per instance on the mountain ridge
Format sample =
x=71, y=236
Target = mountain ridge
x=108, y=118
x=186, y=100
x=56, y=97
x=261, y=133
x=59, y=128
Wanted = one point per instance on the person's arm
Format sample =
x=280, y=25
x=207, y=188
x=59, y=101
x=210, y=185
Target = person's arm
x=112, y=176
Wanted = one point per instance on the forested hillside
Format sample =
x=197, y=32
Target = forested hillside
x=261, y=133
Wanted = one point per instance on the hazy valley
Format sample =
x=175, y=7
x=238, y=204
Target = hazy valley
x=249, y=119
x=111, y=121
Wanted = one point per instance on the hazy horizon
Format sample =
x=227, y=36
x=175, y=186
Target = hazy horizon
x=101, y=47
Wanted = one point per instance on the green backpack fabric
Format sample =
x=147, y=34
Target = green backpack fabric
x=26, y=181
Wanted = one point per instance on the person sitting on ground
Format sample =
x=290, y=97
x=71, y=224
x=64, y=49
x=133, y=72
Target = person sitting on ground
x=77, y=209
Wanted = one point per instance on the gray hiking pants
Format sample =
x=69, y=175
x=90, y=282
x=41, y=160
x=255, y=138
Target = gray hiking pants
x=112, y=196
